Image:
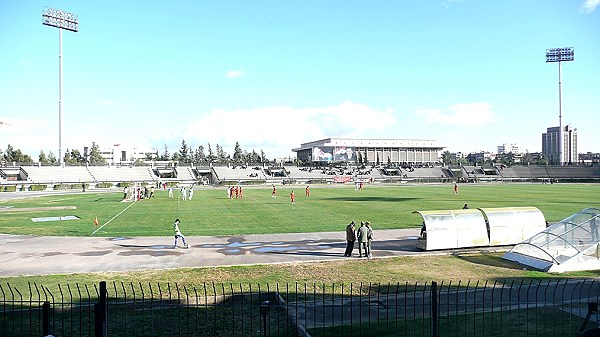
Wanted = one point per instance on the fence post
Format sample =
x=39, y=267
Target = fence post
x=46, y=318
x=434, y=309
x=100, y=312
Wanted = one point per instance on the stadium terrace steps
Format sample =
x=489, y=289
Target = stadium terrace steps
x=135, y=173
x=57, y=174
x=424, y=172
x=185, y=173
x=225, y=173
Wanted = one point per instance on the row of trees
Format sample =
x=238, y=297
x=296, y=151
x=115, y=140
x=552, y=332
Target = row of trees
x=186, y=155
x=202, y=156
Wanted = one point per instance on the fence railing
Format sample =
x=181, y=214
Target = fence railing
x=503, y=308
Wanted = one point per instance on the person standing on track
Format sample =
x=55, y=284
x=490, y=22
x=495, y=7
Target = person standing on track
x=178, y=234
x=350, y=239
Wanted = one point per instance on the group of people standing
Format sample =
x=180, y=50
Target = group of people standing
x=364, y=234
x=235, y=192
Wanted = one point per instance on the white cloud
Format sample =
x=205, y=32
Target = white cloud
x=589, y=6
x=277, y=130
x=468, y=114
x=235, y=74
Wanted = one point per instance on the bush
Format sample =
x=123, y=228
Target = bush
x=38, y=187
x=9, y=188
x=123, y=184
x=104, y=185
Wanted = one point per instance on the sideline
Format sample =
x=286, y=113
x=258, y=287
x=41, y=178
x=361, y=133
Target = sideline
x=121, y=212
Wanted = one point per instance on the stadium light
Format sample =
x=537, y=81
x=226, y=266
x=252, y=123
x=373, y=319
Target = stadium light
x=560, y=55
x=61, y=20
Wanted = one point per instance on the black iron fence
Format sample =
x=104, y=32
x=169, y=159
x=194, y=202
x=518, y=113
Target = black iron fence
x=504, y=308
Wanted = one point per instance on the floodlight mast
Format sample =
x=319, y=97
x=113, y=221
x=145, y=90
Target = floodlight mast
x=560, y=55
x=61, y=20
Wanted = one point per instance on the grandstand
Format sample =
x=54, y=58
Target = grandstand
x=25, y=176
x=122, y=173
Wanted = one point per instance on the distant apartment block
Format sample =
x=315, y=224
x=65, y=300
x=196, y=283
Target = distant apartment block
x=551, y=144
x=510, y=148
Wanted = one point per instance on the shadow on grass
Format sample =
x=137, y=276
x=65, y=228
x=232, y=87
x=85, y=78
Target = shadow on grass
x=372, y=198
x=491, y=259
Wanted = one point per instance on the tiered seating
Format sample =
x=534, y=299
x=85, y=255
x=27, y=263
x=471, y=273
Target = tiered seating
x=185, y=173
x=424, y=172
x=306, y=174
x=57, y=174
x=573, y=172
x=238, y=174
x=114, y=173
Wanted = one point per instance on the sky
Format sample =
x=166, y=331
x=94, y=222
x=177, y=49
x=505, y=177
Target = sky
x=273, y=74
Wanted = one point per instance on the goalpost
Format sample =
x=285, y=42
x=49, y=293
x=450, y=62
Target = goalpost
x=133, y=192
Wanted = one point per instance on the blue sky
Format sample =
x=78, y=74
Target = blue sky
x=274, y=74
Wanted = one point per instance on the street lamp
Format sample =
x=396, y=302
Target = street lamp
x=560, y=55
x=61, y=20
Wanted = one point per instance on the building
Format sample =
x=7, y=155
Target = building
x=510, y=148
x=384, y=151
x=123, y=154
x=551, y=144
x=589, y=158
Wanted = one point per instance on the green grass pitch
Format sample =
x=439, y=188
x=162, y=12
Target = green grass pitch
x=329, y=208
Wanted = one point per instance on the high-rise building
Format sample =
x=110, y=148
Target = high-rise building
x=551, y=144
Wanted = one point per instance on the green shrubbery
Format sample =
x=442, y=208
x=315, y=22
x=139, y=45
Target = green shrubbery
x=8, y=188
x=104, y=185
x=38, y=187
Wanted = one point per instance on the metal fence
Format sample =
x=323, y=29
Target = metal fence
x=504, y=308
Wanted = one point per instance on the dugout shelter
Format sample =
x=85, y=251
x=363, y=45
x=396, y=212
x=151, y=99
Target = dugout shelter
x=481, y=227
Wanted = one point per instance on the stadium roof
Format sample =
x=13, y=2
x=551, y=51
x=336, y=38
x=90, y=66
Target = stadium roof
x=387, y=143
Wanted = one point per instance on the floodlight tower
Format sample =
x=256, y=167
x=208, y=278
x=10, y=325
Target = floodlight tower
x=61, y=20
x=560, y=55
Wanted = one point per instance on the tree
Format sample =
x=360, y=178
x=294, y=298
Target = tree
x=12, y=155
x=184, y=153
x=67, y=158
x=199, y=156
x=237, y=154
x=73, y=157
x=52, y=158
x=222, y=156
x=446, y=158
x=94, y=156
x=42, y=159
x=263, y=157
x=9, y=154
x=165, y=156
x=211, y=158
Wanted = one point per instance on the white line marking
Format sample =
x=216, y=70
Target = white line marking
x=260, y=202
x=99, y=228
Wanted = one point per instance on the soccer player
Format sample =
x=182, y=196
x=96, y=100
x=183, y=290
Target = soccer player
x=293, y=197
x=274, y=193
x=308, y=191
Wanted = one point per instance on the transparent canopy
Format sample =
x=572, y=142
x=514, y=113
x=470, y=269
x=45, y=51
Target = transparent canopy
x=568, y=245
